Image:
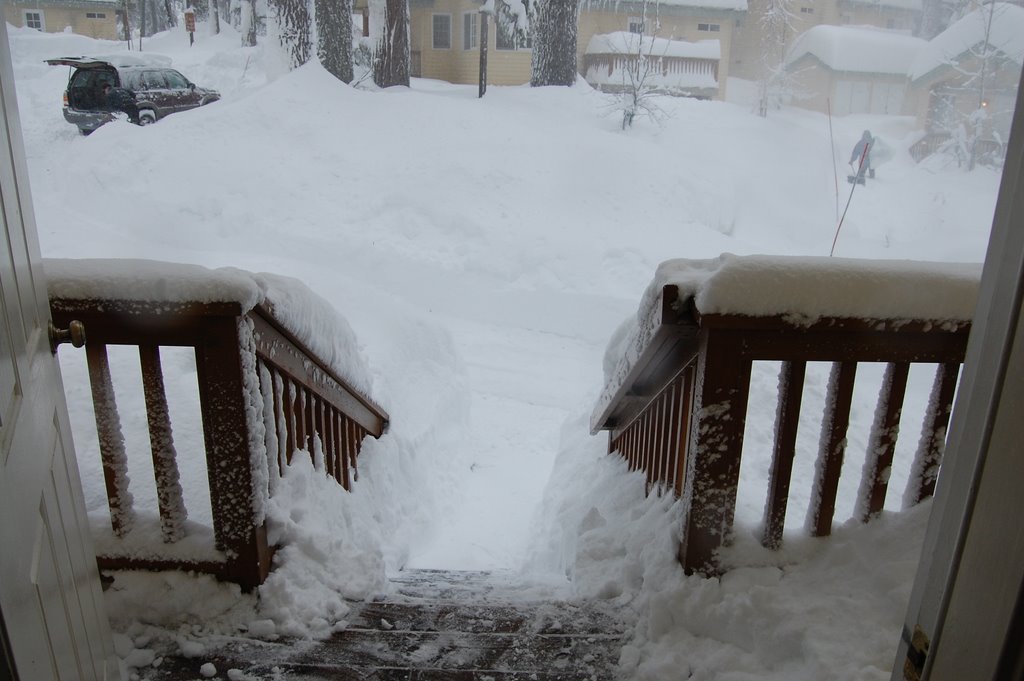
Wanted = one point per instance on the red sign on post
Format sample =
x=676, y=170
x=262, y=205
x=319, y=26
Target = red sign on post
x=190, y=25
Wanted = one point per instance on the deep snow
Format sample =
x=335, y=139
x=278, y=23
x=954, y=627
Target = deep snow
x=484, y=251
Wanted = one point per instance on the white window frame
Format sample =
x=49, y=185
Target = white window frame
x=35, y=12
x=709, y=27
x=806, y=10
x=95, y=15
x=433, y=31
x=471, y=24
x=635, y=22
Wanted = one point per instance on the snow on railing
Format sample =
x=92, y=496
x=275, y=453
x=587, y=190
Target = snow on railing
x=270, y=360
x=678, y=382
x=612, y=64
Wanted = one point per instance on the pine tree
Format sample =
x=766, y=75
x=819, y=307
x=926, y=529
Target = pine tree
x=554, y=42
x=334, y=37
x=391, y=55
x=293, y=27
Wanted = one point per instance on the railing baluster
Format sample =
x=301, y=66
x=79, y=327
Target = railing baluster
x=308, y=411
x=270, y=422
x=683, y=437
x=882, y=442
x=165, y=459
x=787, y=419
x=293, y=423
x=108, y=431
x=832, y=448
x=283, y=434
x=925, y=468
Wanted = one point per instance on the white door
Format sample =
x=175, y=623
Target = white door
x=52, y=621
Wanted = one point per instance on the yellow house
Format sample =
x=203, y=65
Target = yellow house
x=93, y=18
x=444, y=37
x=444, y=34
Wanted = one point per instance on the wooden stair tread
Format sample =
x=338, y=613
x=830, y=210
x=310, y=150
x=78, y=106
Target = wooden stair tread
x=476, y=630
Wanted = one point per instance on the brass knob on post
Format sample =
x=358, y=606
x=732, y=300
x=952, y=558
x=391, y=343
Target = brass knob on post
x=74, y=334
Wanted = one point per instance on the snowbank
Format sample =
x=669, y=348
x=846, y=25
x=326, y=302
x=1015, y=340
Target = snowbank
x=818, y=609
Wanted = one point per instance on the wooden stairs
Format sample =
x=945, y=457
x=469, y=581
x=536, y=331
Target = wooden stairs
x=434, y=625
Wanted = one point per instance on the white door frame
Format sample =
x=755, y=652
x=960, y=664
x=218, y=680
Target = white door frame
x=968, y=585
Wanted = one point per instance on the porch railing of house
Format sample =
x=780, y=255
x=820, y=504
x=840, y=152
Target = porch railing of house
x=668, y=73
x=680, y=412
x=297, y=398
x=935, y=141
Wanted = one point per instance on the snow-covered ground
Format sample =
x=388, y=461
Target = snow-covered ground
x=484, y=251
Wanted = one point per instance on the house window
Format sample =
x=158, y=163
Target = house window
x=95, y=15
x=510, y=29
x=34, y=20
x=469, y=30
x=442, y=32
x=806, y=10
x=845, y=19
x=709, y=28
x=636, y=25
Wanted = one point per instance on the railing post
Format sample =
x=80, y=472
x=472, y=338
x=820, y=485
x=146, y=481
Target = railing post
x=832, y=448
x=223, y=400
x=111, y=439
x=161, y=444
x=716, y=440
x=787, y=419
x=882, y=444
x=925, y=469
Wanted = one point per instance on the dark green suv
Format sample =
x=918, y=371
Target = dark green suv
x=158, y=90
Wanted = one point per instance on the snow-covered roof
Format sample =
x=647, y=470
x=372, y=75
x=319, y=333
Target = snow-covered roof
x=1007, y=36
x=310, y=318
x=914, y=5
x=803, y=290
x=858, y=49
x=624, y=42
x=620, y=5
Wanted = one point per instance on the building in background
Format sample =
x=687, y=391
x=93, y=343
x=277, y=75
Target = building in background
x=92, y=18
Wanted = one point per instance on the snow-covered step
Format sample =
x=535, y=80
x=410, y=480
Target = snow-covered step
x=437, y=625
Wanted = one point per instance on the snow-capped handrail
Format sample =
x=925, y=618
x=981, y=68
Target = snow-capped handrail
x=678, y=403
x=263, y=395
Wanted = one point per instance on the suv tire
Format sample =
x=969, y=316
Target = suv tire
x=146, y=117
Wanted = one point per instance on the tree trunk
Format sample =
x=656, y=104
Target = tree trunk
x=391, y=57
x=247, y=23
x=172, y=16
x=293, y=26
x=214, y=17
x=554, y=43
x=142, y=21
x=334, y=37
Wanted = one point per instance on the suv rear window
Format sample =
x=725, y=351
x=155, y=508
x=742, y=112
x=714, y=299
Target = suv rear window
x=86, y=89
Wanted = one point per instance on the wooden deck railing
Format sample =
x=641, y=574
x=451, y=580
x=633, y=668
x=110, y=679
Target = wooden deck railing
x=260, y=390
x=680, y=412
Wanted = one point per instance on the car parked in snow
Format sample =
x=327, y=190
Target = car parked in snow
x=158, y=90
